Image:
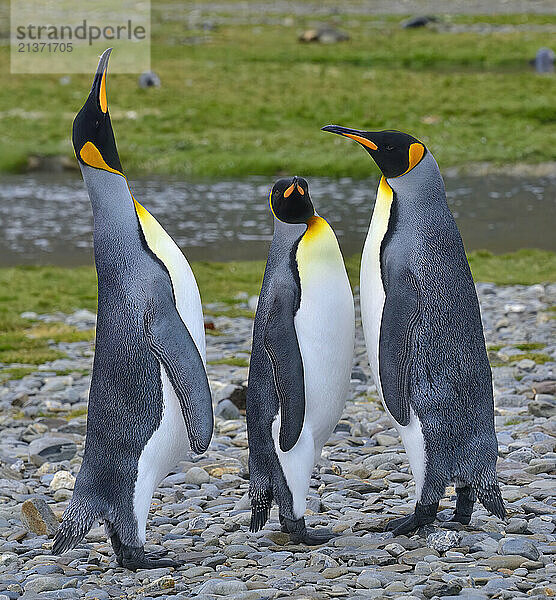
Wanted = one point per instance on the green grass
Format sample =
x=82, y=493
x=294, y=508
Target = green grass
x=527, y=267
x=231, y=313
x=21, y=372
x=16, y=373
x=233, y=361
x=53, y=289
x=252, y=99
x=525, y=346
x=530, y=346
x=538, y=357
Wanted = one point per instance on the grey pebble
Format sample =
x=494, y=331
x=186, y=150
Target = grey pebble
x=226, y=409
x=201, y=515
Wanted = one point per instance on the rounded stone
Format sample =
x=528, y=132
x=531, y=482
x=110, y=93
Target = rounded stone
x=62, y=480
x=442, y=541
x=368, y=580
x=222, y=587
x=519, y=546
x=227, y=410
x=197, y=476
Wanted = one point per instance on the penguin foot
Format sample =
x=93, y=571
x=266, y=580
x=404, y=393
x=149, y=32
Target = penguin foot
x=134, y=558
x=424, y=515
x=313, y=537
x=402, y=525
x=460, y=518
x=156, y=555
x=299, y=534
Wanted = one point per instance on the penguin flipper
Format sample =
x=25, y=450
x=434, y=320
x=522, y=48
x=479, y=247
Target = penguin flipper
x=400, y=319
x=282, y=347
x=170, y=341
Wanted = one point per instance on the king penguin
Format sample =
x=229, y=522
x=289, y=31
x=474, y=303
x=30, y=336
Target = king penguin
x=301, y=360
x=149, y=400
x=424, y=334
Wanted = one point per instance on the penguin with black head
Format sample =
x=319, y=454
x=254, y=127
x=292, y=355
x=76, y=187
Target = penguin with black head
x=149, y=401
x=301, y=360
x=424, y=334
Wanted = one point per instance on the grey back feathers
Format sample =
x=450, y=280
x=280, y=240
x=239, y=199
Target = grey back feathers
x=432, y=354
x=138, y=329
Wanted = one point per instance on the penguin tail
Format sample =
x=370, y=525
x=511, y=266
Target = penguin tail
x=76, y=523
x=488, y=493
x=261, y=503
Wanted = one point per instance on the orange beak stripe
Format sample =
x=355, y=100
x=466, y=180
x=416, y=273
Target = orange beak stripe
x=102, y=98
x=288, y=192
x=363, y=141
x=300, y=190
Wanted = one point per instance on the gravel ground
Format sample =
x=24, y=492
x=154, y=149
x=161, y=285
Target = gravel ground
x=200, y=513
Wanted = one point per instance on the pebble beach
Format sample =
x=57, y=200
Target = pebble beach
x=200, y=513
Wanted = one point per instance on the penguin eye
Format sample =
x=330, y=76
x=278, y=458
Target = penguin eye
x=389, y=148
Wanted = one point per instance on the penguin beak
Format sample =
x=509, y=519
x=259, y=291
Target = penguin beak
x=292, y=187
x=98, y=91
x=354, y=134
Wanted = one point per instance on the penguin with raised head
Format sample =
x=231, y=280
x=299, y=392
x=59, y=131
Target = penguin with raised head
x=149, y=401
x=301, y=360
x=424, y=334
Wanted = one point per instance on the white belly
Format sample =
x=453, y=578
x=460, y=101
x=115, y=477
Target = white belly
x=169, y=443
x=325, y=328
x=372, y=306
x=166, y=447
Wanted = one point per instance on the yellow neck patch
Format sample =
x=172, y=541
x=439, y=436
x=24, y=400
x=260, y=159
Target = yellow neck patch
x=91, y=156
x=316, y=228
x=380, y=220
x=161, y=244
x=384, y=197
x=318, y=249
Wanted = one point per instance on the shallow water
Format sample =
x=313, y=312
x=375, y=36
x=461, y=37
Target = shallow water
x=46, y=218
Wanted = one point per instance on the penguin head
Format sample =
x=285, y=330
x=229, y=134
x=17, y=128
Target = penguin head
x=93, y=137
x=290, y=201
x=394, y=152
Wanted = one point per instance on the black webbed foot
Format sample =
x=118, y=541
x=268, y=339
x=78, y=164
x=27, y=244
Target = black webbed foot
x=402, y=525
x=299, y=534
x=424, y=515
x=134, y=558
x=156, y=555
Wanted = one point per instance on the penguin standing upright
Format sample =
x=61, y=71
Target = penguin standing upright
x=424, y=334
x=301, y=359
x=150, y=400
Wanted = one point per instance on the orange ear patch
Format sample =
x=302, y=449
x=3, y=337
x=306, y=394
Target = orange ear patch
x=300, y=190
x=416, y=152
x=91, y=156
x=103, y=103
x=363, y=141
